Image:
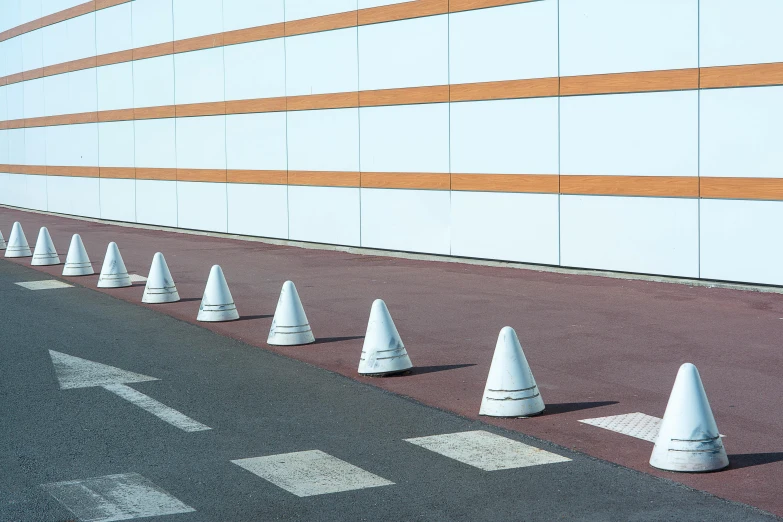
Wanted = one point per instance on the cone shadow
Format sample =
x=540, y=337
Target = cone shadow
x=189, y=299
x=325, y=340
x=567, y=407
x=421, y=370
x=251, y=317
x=746, y=460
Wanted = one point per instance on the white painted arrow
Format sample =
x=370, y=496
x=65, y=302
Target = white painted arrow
x=75, y=372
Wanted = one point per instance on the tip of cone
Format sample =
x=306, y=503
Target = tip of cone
x=378, y=303
x=76, y=235
x=288, y=284
x=215, y=269
x=506, y=330
x=157, y=256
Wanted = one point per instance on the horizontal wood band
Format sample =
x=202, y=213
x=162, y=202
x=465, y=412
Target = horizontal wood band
x=742, y=76
x=650, y=81
x=323, y=178
x=156, y=174
x=117, y=172
x=406, y=180
x=198, y=43
x=257, y=105
x=741, y=188
x=60, y=16
x=340, y=100
x=321, y=23
x=404, y=96
x=263, y=177
x=209, y=175
x=653, y=186
x=200, y=109
x=456, y=6
x=402, y=11
x=529, y=183
x=509, y=89
x=76, y=172
x=150, y=113
x=254, y=34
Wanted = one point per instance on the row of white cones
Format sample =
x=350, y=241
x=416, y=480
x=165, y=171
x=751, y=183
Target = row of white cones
x=688, y=439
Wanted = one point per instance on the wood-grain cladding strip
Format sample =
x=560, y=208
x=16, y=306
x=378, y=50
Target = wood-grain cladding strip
x=404, y=96
x=756, y=75
x=264, y=177
x=509, y=89
x=527, y=183
x=406, y=180
x=653, y=186
x=649, y=81
x=117, y=172
x=402, y=11
x=60, y=16
x=323, y=178
x=770, y=189
x=321, y=23
x=209, y=175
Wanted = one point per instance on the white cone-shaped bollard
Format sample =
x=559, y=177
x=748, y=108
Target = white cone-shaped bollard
x=45, y=254
x=17, y=244
x=217, y=304
x=160, y=285
x=113, y=273
x=511, y=390
x=383, y=352
x=688, y=439
x=290, y=326
x=2, y=241
x=77, y=263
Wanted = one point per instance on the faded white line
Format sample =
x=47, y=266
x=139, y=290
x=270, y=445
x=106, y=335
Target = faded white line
x=156, y=408
x=115, y=497
x=308, y=473
x=46, y=284
x=637, y=425
x=487, y=451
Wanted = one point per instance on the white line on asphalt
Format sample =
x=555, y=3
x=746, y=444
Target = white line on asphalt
x=487, y=451
x=308, y=473
x=46, y=284
x=115, y=497
x=638, y=425
x=156, y=408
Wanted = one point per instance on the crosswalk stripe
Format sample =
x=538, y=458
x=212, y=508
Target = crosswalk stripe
x=487, y=451
x=46, y=284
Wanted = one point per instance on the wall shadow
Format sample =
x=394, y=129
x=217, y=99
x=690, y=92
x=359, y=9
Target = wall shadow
x=567, y=407
x=326, y=340
x=421, y=370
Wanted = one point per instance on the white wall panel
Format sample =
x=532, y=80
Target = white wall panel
x=324, y=140
x=36, y=192
x=77, y=196
x=15, y=100
x=265, y=75
x=156, y=202
x=608, y=36
x=115, y=86
x=505, y=136
x=511, y=227
x=34, y=98
x=410, y=220
x=741, y=132
x=116, y=144
x=504, y=43
x=15, y=190
x=202, y=206
x=4, y=147
x=55, y=6
x=56, y=95
x=81, y=36
x=35, y=146
x=740, y=241
x=83, y=143
x=58, y=148
x=732, y=35
x=152, y=22
x=3, y=104
x=240, y=14
x=32, y=50
x=29, y=10
x=629, y=234
x=199, y=76
x=256, y=141
x=113, y=30
x=321, y=63
x=153, y=82
x=55, y=43
x=13, y=53
x=118, y=199
x=201, y=142
x=649, y=134
x=155, y=143
x=11, y=14
x=16, y=147
x=298, y=9
x=405, y=138
x=258, y=210
x=324, y=214
x=197, y=18
x=365, y=4
x=82, y=91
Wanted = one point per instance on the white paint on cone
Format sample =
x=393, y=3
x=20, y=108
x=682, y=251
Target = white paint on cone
x=2, y=241
x=217, y=304
x=17, y=243
x=511, y=390
x=160, y=285
x=383, y=352
x=45, y=254
x=290, y=326
x=113, y=273
x=688, y=440
x=77, y=263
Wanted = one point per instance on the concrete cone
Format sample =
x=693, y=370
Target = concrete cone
x=45, y=254
x=290, y=326
x=511, y=390
x=217, y=304
x=160, y=285
x=113, y=273
x=383, y=352
x=77, y=263
x=688, y=439
x=2, y=241
x=17, y=244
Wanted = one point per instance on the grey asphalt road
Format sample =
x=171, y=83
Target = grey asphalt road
x=258, y=404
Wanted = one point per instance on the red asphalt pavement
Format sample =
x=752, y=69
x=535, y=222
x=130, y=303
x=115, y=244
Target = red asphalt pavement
x=598, y=346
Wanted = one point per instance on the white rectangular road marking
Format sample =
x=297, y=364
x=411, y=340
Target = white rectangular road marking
x=115, y=497
x=46, y=284
x=638, y=425
x=136, y=278
x=156, y=408
x=487, y=451
x=308, y=473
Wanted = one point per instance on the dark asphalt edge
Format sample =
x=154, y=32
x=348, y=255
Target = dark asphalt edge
x=507, y=431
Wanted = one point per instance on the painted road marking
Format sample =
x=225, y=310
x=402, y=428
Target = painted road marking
x=136, y=278
x=487, y=451
x=46, y=284
x=75, y=372
x=308, y=473
x=115, y=497
x=638, y=425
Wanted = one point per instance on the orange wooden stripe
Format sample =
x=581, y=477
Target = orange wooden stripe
x=467, y=5
x=33, y=74
x=199, y=42
x=672, y=80
x=27, y=169
x=156, y=174
x=148, y=113
x=59, y=68
x=338, y=100
x=742, y=75
x=14, y=124
x=153, y=51
x=505, y=89
x=321, y=23
x=661, y=186
x=529, y=183
x=323, y=179
x=81, y=172
x=402, y=11
x=112, y=58
x=201, y=109
x=211, y=175
x=257, y=105
x=14, y=78
x=404, y=96
x=265, y=177
x=742, y=188
x=117, y=172
x=84, y=63
x=116, y=115
x=254, y=34
x=406, y=180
